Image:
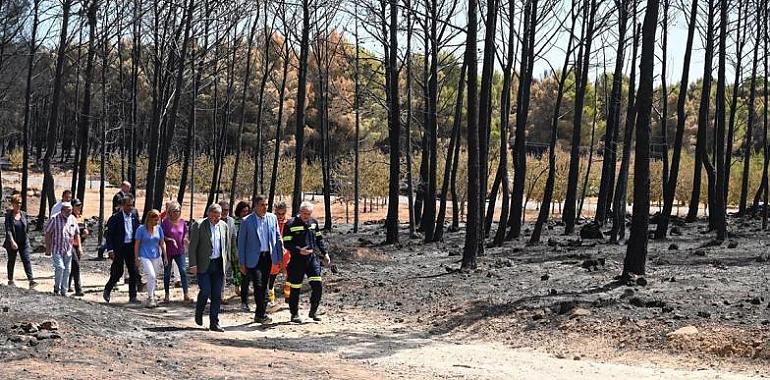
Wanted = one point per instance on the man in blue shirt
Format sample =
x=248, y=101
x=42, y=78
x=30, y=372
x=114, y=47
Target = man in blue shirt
x=259, y=245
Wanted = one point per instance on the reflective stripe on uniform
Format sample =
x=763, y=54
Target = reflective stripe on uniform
x=314, y=278
x=294, y=286
x=287, y=238
x=318, y=233
x=298, y=228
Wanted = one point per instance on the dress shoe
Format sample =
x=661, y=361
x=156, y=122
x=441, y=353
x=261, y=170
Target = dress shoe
x=199, y=319
x=106, y=296
x=263, y=320
x=315, y=317
x=134, y=301
x=296, y=319
x=216, y=328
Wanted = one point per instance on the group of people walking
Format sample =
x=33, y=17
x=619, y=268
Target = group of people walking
x=249, y=249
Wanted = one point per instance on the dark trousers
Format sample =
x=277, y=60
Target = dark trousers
x=75, y=273
x=210, y=284
x=124, y=256
x=24, y=253
x=259, y=276
x=298, y=268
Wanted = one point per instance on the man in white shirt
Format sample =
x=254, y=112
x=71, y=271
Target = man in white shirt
x=66, y=196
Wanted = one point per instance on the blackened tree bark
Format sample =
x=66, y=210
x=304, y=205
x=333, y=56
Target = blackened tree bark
x=681, y=118
x=279, y=120
x=703, y=116
x=619, y=199
x=719, y=213
x=408, y=124
x=299, y=134
x=636, y=253
x=485, y=104
x=449, y=167
x=545, y=206
x=241, y=121
x=472, y=226
x=522, y=113
x=741, y=31
x=52, y=137
x=85, y=117
x=163, y=160
x=28, y=103
x=268, y=64
x=429, y=214
x=747, y=145
x=568, y=216
x=394, y=128
x=505, y=113
x=604, y=199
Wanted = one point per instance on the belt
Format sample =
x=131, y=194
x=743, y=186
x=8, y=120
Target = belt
x=263, y=253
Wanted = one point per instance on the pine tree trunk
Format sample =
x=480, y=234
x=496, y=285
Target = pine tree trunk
x=636, y=252
x=619, y=200
x=472, y=231
x=568, y=216
x=299, y=136
x=550, y=182
x=604, y=199
x=747, y=145
x=52, y=137
x=681, y=118
x=394, y=128
x=28, y=105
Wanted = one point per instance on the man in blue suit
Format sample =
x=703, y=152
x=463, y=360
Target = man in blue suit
x=259, y=246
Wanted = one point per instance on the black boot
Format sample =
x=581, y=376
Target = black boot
x=314, y=313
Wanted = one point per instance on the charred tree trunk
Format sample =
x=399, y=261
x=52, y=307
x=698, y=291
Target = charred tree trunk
x=681, y=118
x=747, y=145
x=473, y=233
x=85, y=117
x=545, y=206
x=394, y=128
x=568, y=216
x=619, y=201
x=703, y=117
x=451, y=162
x=604, y=200
x=636, y=253
x=296, y=196
x=28, y=104
x=52, y=137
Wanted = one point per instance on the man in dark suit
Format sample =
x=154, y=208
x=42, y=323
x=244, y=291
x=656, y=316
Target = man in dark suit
x=125, y=189
x=209, y=246
x=121, y=228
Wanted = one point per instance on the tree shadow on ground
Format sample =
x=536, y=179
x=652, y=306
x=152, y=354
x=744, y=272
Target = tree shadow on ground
x=350, y=345
x=480, y=310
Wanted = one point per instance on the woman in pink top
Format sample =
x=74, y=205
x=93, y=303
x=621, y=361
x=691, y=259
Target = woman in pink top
x=175, y=234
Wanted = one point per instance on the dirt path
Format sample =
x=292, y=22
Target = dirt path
x=117, y=340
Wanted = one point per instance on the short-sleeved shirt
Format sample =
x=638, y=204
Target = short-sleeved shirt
x=149, y=243
x=63, y=231
x=176, y=232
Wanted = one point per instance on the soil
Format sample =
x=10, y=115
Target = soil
x=406, y=311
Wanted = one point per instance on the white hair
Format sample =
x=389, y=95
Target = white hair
x=215, y=208
x=307, y=206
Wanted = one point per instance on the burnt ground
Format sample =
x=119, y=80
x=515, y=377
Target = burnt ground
x=406, y=311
